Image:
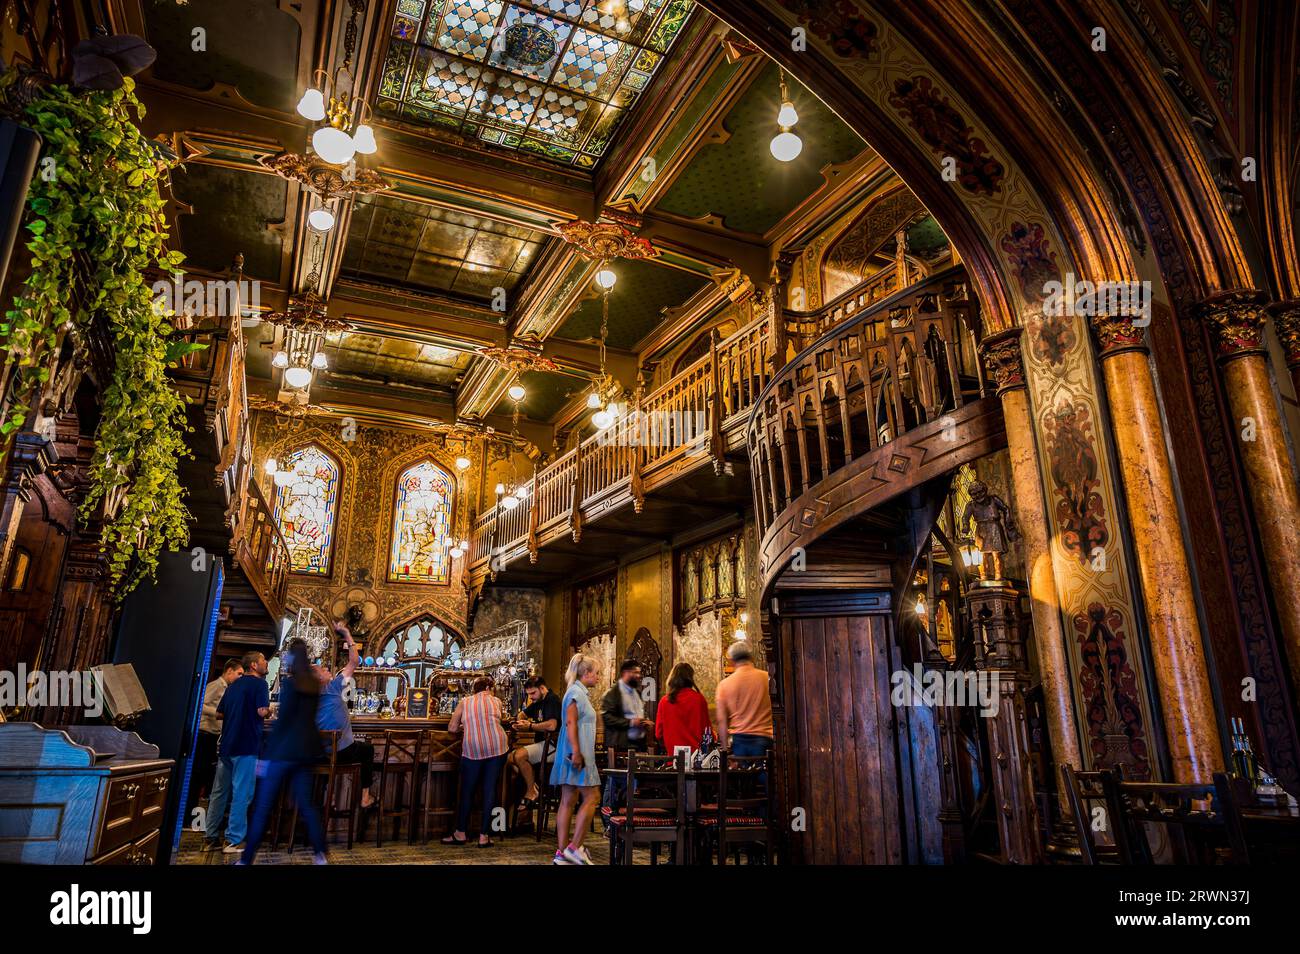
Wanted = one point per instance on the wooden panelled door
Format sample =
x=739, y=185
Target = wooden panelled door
x=864, y=771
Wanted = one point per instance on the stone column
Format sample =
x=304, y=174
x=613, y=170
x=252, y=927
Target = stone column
x=1286, y=322
x=1004, y=367
x=1236, y=321
x=1177, y=650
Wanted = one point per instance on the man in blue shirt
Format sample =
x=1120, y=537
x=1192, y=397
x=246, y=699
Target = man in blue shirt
x=332, y=716
x=242, y=712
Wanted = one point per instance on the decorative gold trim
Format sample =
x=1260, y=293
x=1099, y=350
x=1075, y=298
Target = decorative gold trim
x=322, y=178
x=1236, y=321
x=1286, y=322
x=599, y=241
x=1116, y=334
x=1003, y=361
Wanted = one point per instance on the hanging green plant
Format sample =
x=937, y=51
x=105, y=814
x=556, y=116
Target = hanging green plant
x=97, y=229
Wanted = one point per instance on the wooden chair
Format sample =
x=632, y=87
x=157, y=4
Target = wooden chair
x=1194, y=815
x=399, y=763
x=438, y=783
x=331, y=771
x=548, y=798
x=656, y=808
x=1087, y=791
x=743, y=814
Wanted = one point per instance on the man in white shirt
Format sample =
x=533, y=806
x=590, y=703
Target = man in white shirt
x=205, y=748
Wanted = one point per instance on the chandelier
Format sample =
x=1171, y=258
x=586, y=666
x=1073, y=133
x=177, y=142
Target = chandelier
x=511, y=496
x=302, y=350
x=786, y=145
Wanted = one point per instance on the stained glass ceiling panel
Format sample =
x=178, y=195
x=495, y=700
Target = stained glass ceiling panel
x=553, y=78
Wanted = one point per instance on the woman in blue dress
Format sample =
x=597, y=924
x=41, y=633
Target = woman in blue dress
x=575, y=763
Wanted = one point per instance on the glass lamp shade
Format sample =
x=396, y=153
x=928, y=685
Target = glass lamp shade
x=601, y=419
x=788, y=116
x=612, y=409
x=283, y=478
x=462, y=463
x=312, y=105
x=270, y=466
x=522, y=491
x=297, y=377
x=510, y=503
x=517, y=393
x=281, y=360
x=333, y=145
x=593, y=400
x=500, y=489
x=364, y=139
x=464, y=545
x=318, y=361
x=786, y=146
x=606, y=278
x=739, y=634
x=322, y=220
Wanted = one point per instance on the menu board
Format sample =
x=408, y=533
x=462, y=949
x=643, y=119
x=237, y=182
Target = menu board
x=417, y=704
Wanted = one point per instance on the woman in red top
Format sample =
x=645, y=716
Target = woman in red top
x=683, y=714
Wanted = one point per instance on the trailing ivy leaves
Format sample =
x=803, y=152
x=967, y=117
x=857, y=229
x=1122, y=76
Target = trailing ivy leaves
x=97, y=228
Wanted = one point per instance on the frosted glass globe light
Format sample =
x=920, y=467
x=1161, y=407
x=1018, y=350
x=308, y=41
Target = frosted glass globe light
x=318, y=361
x=333, y=145
x=601, y=420
x=270, y=466
x=593, y=400
x=500, y=489
x=322, y=220
x=312, y=105
x=788, y=116
x=606, y=278
x=364, y=140
x=281, y=360
x=522, y=491
x=297, y=377
x=462, y=463
x=510, y=503
x=786, y=146
x=517, y=393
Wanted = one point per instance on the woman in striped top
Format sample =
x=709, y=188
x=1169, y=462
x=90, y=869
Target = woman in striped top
x=482, y=754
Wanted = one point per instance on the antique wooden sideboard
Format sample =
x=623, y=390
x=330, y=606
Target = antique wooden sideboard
x=80, y=795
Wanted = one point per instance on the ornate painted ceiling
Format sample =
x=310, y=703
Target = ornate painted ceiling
x=552, y=78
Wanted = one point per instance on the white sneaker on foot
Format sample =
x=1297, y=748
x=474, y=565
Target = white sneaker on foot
x=560, y=859
x=230, y=849
x=577, y=856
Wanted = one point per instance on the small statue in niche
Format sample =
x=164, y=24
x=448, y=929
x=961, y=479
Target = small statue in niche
x=993, y=528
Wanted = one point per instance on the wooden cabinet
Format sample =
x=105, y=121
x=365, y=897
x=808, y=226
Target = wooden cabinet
x=98, y=800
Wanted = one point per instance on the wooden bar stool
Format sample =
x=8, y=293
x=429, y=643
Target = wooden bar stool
x=333, y=772
x=399, y=765
x=439, y=781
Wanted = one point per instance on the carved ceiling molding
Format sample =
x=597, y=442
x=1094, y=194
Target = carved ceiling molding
x=600, y=241
x=325, y=179
x=306, y=312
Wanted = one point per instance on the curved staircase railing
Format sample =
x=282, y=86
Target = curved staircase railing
x=881, y=402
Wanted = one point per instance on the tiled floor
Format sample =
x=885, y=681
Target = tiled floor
x=520, y=849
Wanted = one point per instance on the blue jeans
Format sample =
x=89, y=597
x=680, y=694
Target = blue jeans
x=474, y=772
x=233, y=789
x=750, y=745
x=298, y=776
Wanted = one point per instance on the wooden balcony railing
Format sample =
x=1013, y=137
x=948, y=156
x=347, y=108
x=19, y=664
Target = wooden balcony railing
x=260, y=550
x=699, y=414
x=896, y=364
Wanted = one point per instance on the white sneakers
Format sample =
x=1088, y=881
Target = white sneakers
x=577, y=856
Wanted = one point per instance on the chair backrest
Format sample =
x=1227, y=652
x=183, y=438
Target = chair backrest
x=616, y=758
x=1200, y=808
x=329, y=740
x=656, y=782
x=742, y=784
x=1087, y=792
x=543, y=768
x=401, y=746
x=441, y=747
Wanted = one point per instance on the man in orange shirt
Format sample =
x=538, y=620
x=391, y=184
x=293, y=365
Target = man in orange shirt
x=744, y=705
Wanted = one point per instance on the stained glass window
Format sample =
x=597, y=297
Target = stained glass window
x=306, y=509
x=421, y=526
x=553, y=78
x=419, y=647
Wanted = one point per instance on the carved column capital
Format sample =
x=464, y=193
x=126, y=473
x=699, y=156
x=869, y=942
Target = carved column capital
x=1117, y=334
x=1003, y=361
x=1286, y=321
x=1236, y=322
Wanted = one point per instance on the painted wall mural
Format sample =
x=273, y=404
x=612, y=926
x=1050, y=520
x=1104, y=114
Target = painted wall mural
x=1061, y=372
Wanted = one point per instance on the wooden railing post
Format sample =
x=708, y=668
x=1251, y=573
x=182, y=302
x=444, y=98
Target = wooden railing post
x=575, y=508
x=535, y=506
x=717, y=448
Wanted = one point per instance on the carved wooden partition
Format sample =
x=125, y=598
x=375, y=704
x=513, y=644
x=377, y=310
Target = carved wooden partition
x=865, y=774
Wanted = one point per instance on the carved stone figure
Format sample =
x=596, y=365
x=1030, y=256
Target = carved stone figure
x=993, y=528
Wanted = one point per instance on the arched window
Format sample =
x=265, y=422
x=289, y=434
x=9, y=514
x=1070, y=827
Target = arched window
x=306, y=509
x=421, y=526
x=420, y=647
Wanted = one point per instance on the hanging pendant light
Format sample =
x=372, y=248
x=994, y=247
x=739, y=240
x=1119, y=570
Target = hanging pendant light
x=322, y=220
x=364, y=139
x=312, y=105
x=786, y=145
x=271, y=466
x=463, y=462
x=333, y=145
x=281, y=360
x=297, y=377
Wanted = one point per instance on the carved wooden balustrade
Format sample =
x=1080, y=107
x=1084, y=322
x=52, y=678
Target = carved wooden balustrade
x=883, y=400
x=691, y=421
x=260, y=550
